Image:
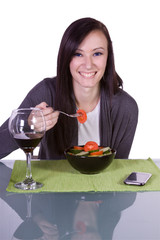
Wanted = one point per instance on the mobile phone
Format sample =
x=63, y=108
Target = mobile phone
x=137, y=178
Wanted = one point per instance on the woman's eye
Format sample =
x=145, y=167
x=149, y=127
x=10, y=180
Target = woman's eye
x=77, y=54
x=97, y=54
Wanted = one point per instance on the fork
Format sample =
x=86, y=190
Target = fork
x=70, y=115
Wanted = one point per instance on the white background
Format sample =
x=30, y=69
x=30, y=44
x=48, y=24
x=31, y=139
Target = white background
x=30, y=34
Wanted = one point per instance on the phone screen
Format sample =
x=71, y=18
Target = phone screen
x=137, y=178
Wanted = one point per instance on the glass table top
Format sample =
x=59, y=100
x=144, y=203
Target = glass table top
x=77, y=216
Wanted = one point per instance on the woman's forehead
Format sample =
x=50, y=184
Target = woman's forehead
x=94, y=40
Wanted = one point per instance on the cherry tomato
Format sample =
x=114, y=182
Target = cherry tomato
x=83, y=116
x=78, y=148
x=96, y=153
x=90, y=146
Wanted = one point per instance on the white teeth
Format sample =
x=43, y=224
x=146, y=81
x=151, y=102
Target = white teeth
x=87, y=74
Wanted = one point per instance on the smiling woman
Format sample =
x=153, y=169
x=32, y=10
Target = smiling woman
x=87, y=68
x=87, y=80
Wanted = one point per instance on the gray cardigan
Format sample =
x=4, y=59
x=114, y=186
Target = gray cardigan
x=118, y=121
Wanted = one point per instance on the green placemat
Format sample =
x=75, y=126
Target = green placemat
x=59, y=176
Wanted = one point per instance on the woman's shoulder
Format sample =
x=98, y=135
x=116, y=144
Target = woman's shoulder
x=46, y=83
x=123, y=100
x=43, y=91
x=44, y=86
x=123, y=96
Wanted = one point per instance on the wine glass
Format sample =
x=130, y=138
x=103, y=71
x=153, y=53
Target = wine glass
x=27, y=126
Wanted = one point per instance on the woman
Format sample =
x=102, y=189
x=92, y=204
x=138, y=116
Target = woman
x=86, y=79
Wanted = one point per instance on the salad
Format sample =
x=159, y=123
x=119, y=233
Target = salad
x=91, y=148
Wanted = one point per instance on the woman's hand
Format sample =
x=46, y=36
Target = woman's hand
x=51, y=116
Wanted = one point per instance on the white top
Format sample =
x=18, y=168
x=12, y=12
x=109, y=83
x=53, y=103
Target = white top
x=89, y=131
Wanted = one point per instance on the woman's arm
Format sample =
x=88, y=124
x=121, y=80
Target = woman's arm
x=43, y=93
x=124, y=123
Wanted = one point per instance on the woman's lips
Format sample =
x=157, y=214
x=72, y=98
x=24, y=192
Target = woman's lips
x=87, y=75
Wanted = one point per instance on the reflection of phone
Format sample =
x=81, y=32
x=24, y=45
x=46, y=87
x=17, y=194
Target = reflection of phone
x=137, y=178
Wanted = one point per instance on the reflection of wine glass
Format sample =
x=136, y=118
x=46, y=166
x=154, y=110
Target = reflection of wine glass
x=27, y=126
x=28, y=229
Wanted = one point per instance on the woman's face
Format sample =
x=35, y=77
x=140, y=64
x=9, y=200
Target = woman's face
x=88, y=64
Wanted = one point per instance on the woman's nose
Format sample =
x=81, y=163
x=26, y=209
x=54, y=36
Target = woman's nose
x=88, y=62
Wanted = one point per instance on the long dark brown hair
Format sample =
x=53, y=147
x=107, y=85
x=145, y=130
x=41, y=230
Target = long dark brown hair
x=71, y=39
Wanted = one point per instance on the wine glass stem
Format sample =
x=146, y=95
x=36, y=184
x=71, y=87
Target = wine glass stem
x=28, y=171
x=29, y=200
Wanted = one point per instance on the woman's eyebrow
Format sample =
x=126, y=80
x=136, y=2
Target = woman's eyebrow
x=99, y=48
x=95, y=49
x=78, y=49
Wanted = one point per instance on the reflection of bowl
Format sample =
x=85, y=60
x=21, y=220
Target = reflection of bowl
x=90, y=164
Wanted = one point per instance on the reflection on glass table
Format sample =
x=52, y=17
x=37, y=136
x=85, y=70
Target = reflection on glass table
x=28, y=229
x=74, y=216
x=67, y=216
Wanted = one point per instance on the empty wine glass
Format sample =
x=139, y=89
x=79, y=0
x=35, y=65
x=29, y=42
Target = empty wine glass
x=27, y=126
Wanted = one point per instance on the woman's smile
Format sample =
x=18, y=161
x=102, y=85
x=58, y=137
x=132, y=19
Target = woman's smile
x=87, y=75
